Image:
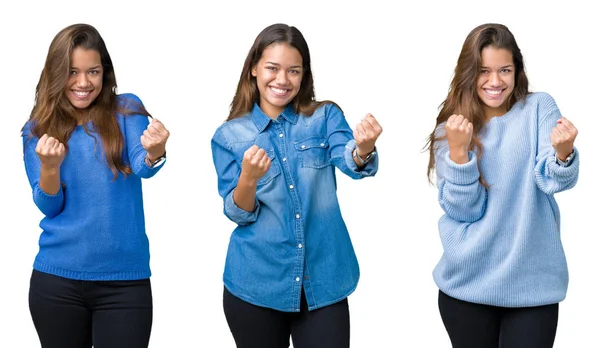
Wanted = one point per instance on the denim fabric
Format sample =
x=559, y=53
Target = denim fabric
x=295, y=237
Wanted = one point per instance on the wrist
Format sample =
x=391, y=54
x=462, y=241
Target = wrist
x=247, y=181
x=362, y=153
x=50, y=168
x=152, y=157
x=153, y=161
x=564, y=161
x=563, y=156
x=362, y=160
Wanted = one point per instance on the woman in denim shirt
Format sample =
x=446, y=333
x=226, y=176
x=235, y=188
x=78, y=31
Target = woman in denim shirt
x=290, y=264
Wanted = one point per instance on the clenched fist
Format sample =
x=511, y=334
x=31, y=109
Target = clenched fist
x=50, y=151
x=154, y=139
x=255, y=164
x=366, y=134
x=459, y=132
x=563, y=137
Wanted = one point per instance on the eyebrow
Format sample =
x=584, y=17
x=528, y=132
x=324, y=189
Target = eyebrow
x=295, y=66
x=92, y=68
x=506, y=66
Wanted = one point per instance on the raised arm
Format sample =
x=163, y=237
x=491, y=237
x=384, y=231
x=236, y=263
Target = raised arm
x=43, y=158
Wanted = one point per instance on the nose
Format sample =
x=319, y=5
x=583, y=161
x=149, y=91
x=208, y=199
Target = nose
x=82, y=80
x=495, y=80
x=281, y=78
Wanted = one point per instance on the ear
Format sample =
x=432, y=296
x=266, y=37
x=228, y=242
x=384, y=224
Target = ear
x=253, y=71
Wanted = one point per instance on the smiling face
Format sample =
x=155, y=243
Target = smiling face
x=85, y=78
x=496, y=80
x=278, y=77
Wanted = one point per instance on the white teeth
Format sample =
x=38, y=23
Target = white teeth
x=81, y=94
x=493, y=92
x=278, y=91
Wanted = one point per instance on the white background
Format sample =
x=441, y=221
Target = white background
x=395, y=61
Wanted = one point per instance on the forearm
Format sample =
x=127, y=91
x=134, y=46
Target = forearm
x=244, y=195
x=50, y=179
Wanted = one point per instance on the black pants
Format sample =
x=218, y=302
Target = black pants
x=76, y=314
x=258, y=327
x=471, y=325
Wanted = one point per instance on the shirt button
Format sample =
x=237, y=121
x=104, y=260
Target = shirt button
x=322, y=144
x=291, y=187
x=284, y=159
x=306, y=277
x=297, y=216
x=281, y=135
x=300, y=246
x=303, y=146
x=297, y=279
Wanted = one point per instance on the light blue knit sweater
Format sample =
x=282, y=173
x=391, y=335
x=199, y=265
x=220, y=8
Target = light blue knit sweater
x=502, y=245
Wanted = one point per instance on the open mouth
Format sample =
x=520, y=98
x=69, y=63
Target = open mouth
x=279, y=92
x=82, y=95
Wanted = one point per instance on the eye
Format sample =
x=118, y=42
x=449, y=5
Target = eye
x=93, y=72
x=295, y=72
x=505, y=71
x=484, y=71
x=73, y=72
x=272, y=68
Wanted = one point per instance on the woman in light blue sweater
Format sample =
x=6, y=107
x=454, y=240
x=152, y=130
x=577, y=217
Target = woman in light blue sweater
x=500, y=154
x=86, y=151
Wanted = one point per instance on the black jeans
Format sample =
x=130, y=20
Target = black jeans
x=258, y=327
x=471, y=325
x=76, y=314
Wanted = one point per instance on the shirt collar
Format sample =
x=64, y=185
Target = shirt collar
x=261, y=120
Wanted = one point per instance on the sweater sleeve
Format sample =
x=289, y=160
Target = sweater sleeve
x=133, y=128
x=228, y=172
x=550, y=176
x=461, y=195
x=49, y=205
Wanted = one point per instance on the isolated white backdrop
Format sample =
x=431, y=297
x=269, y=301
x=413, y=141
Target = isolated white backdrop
x=394, y=61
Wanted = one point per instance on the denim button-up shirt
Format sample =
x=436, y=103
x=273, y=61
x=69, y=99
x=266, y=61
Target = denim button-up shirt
x=295, y=237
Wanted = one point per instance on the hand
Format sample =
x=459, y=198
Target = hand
x=366, y=134
x=255, y=164
x=154, y=139
x=562, y=138
x=459, y=132
x=50, y=151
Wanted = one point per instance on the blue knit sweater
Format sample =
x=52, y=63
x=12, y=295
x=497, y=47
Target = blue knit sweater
x=502, y=245
x=93, y=229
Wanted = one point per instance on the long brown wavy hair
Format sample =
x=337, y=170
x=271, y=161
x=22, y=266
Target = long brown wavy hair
x=53, y=113
x=247, y=91
x=462, y=96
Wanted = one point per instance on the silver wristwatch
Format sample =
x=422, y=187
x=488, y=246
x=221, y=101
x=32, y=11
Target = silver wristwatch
x=366, y=159
x=567, y=160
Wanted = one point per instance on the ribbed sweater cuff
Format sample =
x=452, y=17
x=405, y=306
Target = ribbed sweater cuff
x=462, y=174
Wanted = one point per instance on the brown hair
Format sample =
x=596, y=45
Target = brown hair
x=247, y=91
x=54, y=115
x=462, y=96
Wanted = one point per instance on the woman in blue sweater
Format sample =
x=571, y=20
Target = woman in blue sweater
x=86, y=150
x=500, y=154
x=290, y=264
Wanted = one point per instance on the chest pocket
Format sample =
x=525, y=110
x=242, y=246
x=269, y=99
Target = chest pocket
x=273, y=171
x=313, y=152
